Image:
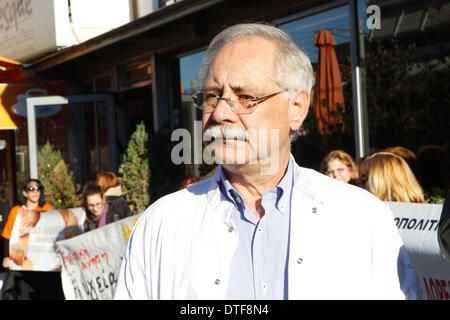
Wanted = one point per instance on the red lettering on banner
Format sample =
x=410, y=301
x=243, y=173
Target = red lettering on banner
x=437, y=289
x=73, y=257
x=95, y=261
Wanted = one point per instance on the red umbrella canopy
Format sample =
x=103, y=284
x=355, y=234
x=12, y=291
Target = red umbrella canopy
x=10, y=71
x=328, y=95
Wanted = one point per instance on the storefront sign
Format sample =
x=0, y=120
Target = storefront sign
x=32, y=28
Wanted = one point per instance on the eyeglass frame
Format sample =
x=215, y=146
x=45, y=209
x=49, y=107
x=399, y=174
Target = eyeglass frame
x=337, y=170
x=231, y=102
x=95, y=206
x=31, y=189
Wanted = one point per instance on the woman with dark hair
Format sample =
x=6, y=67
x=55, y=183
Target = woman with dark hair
x=112, y=190
x=29, y=285
x=98, y=211
x=31, y=198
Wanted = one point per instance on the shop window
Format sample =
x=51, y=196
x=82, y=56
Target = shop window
x=337, y=133
x=408, y=67
x=135, y=75
x=189, y=68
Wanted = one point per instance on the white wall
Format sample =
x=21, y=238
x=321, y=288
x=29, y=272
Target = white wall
x=91, y=18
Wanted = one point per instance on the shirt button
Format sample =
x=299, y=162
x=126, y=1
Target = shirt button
x=299, y=260
x=264, y=286
x=217, y=281
x=230, y=229
x=259, y=229
x=314, y=210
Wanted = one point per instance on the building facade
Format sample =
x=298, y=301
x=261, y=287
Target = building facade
x=149, y=66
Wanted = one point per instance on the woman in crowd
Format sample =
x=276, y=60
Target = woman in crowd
x=31, y=198
x=409, y=156
x=340, y=165
x=98, y=211
x=112, y=190
x=389, y=177
x=29, y=285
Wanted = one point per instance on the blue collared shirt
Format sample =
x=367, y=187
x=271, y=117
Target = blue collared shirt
x=259, y=265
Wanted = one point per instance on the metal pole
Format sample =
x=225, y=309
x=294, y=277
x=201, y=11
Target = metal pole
x=359, y=84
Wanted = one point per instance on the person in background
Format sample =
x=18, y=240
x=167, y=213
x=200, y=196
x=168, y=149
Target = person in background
x=4, y=211
x=31, y=198
x=339, y=165
x=409, y=156
x=444, y=228
x=192, y=180
x=98, y=211
x=434, y=166
x=189, y=181
x=29, y=285
x=112, y=190
x=389, y=177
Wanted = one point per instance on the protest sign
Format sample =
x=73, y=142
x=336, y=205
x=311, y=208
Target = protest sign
x=91, y=261
x=417, y=224
x=33, y=237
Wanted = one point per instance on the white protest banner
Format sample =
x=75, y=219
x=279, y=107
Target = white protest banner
x=33, y=237
x=91, y=261
x=417, y=224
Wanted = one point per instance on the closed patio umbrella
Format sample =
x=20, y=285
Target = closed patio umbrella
x=328, y=95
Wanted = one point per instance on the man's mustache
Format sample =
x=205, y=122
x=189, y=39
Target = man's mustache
x=216, y=131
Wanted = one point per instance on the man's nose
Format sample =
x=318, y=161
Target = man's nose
x=224, y=111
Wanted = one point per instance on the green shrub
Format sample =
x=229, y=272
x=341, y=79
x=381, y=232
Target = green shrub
x=134, y=171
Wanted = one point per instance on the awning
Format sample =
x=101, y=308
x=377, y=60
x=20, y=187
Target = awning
x=5, y=119
x=10, y=71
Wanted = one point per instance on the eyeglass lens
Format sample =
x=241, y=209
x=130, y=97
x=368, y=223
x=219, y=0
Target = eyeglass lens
x=39, y=188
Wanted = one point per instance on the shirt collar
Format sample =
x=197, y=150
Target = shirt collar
x=283, y=189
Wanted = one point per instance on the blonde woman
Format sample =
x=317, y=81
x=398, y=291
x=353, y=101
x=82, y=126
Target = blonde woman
x=389, y=177
x=339, y=165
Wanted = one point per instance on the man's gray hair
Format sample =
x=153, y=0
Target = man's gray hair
x=292, y=68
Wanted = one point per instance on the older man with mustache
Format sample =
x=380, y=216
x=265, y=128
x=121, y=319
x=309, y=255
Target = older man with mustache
x=262, y=227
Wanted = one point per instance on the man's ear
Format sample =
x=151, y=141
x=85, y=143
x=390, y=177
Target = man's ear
x=299, y=108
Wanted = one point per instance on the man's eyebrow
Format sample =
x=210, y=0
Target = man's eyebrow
x=212, y=88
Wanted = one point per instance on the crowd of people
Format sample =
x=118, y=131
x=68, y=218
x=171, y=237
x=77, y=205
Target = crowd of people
x=103, y=203
x=391, y=175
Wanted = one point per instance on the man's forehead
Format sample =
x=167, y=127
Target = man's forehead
x=243, y=62
x=237, y=82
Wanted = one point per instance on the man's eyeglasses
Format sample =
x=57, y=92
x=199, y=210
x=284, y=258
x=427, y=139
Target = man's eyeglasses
x=337, y=170
x=244, y=104
x=31, y=189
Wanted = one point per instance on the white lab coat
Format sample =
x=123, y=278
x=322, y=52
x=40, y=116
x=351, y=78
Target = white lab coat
x=343, y=244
